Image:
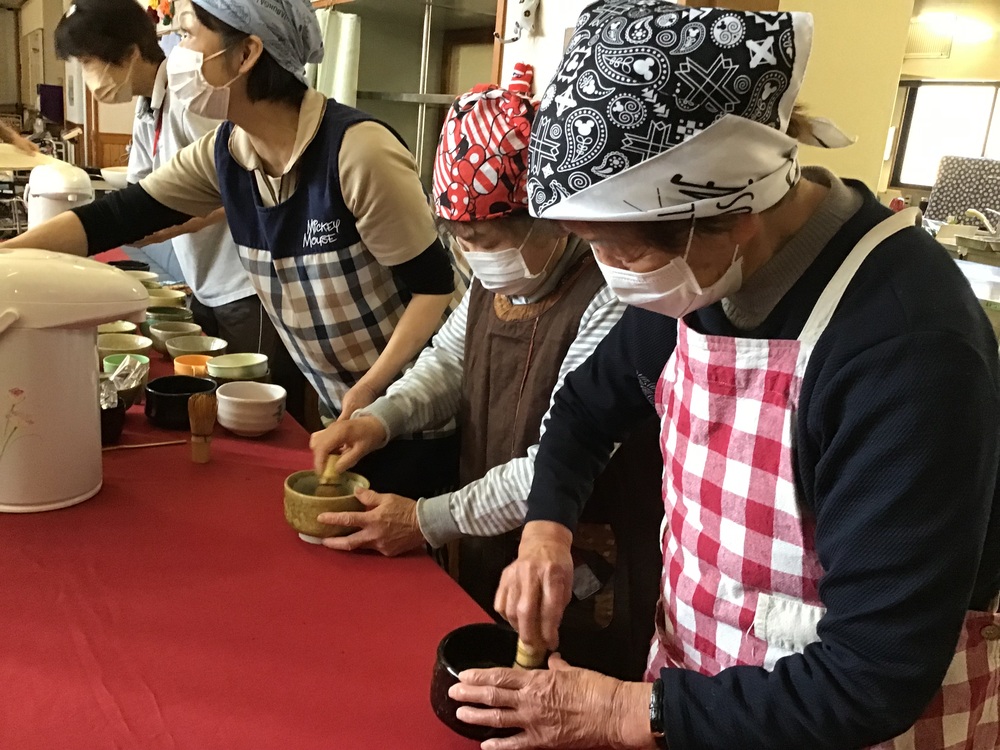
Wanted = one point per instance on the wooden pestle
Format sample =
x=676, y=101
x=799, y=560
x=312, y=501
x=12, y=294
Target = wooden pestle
x=202, y=410
x=329, y=480
x=528, y=657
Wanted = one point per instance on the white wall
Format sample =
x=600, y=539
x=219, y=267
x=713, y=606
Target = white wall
x=43, y=14
x=32, y=16
x=853, y=76
x=545, y=46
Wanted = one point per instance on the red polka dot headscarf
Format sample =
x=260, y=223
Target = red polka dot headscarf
x=480, y=170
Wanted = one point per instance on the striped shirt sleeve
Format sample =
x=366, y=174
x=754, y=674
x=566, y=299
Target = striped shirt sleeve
x=498, y=502
x=427, y=396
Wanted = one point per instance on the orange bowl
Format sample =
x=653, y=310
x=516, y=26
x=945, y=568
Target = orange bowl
x=195, y=365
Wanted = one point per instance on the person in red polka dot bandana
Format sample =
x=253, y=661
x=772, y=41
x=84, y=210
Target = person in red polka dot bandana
x=480, y=191
x=482, y=157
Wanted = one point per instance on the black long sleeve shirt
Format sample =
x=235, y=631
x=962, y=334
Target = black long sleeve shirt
x=896, y=454
x=128, y=215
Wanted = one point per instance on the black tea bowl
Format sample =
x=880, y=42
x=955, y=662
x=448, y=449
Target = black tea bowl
x=167, y=399
x=112, y=423
x=478, y=646
x=129, y=265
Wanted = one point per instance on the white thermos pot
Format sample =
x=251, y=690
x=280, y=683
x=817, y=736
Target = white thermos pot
x=50, y=422
x=54, y=188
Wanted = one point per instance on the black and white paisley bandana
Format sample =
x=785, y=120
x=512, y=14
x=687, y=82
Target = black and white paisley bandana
x=659, y=111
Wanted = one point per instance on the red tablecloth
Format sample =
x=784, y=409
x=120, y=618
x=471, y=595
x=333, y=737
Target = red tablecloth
x=176, y=609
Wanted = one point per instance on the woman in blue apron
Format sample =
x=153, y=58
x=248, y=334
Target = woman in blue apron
x=324, y=203
x=827, y=388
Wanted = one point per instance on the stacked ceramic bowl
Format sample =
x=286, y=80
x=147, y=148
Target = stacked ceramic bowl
x=147, y=278
x=168, y=314
x=250, y=409
x=232, y=367
x=165, y=330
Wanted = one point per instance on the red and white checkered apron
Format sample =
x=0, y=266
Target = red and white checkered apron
x=740, y=570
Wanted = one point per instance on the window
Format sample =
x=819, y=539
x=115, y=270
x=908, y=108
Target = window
x=945, y=119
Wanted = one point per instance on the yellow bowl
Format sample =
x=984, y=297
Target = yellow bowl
x=192, y=364
x=302, y=506
x=169, y=297
x=122, y=343
x=118, y=326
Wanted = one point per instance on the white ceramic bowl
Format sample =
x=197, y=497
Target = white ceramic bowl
x=209, y=345
x=143, y=275
x=122, y=343
x=116, y=177
x=169, y=297
x=163, y=332
x=250, y=409
x=244, y=366
x=118, y=326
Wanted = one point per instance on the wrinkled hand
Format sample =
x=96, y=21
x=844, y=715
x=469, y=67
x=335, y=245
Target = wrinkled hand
x=562, y=707
x=353, y=439
x=388, y=526
x=360, y=396
x=535, y=589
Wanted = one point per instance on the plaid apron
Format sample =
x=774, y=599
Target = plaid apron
x=740, y=569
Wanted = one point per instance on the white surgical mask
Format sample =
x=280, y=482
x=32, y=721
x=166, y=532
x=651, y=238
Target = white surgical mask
x=189, y=88
x=504, y=271
x=106, y=87
x=673, y=289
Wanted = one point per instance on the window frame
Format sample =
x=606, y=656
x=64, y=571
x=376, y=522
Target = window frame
x=906, y=123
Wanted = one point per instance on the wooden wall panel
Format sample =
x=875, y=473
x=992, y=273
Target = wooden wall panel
x=111, y=149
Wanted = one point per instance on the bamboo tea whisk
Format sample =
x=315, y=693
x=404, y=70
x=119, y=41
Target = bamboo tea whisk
x=202, y=409
x=528, y=657
x=329, y=480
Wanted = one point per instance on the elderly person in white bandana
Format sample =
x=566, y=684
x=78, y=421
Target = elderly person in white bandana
x=324, y=204
x=828, y=393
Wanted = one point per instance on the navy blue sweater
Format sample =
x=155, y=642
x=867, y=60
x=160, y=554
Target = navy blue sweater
x=896, y=454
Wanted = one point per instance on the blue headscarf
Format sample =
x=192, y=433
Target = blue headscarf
x=288, y=28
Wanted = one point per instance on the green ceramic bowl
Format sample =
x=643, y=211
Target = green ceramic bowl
x=112, y=361
x=156, y=315
x=244, y=366
x=171, y=329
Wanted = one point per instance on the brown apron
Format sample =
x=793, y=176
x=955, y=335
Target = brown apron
x=513, y=354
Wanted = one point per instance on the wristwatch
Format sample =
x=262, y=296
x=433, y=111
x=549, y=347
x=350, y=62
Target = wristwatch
x=656, y=714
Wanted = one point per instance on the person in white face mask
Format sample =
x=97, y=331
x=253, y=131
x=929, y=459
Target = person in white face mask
x=537, y=308
x=323, y=202
x=115, y=42
x=831, y=560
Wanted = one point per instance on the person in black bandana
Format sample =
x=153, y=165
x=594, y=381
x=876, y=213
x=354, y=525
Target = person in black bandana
x=827, y=386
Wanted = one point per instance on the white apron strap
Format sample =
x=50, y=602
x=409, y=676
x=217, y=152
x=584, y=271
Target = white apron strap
x=830, y=298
